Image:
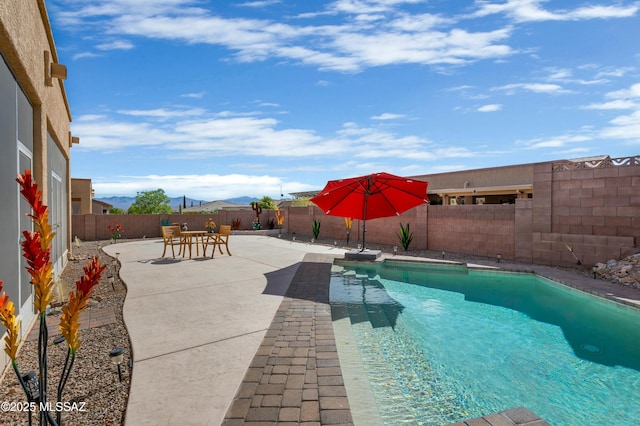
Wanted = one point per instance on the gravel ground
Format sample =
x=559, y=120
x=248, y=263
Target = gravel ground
x=93, y=379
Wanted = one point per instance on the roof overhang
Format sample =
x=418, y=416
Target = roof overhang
x=484, y=190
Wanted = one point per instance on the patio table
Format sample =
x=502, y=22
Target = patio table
x=189, y=237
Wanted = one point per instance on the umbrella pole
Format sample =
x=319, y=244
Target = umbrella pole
x=364, y=232
x=364, y=218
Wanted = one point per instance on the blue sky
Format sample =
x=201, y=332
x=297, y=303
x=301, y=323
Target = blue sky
x=219, y=99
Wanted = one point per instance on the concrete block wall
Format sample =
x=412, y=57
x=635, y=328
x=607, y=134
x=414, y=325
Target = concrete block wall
x=588, y=210
x=577, y=209
x=483, y=230
x=299, y=220
x=95, y=227
x=523, y=230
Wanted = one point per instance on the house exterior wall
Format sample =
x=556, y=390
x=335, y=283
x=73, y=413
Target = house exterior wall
x=34, y=109
x=98, y=207
x=521, y=174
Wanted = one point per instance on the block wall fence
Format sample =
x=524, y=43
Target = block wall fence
x=590, y=209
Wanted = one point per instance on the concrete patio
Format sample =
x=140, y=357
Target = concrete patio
x=195, y=325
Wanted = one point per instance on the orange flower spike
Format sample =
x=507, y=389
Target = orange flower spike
x=37, y=245
x=40, y=268
x=348, y=222
x=12, y=324
x=92, y=274
x=40, y=213
x=69, y=324
x=78, y=301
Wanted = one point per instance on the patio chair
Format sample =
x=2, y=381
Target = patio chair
x=223, y=237
x=171, y=237
x=219, y=239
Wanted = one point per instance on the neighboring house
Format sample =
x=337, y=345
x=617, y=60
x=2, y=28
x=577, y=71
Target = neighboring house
x=35, y=135
x=82, y=196
x=494, y=185
x=100, y=207
x=82, y=201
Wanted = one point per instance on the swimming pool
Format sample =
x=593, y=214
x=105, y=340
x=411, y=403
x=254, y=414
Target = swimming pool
x=440, y=344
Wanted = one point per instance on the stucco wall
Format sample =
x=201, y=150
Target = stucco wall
x=32, y=131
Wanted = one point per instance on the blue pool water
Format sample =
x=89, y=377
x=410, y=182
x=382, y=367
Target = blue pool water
x=444, y=344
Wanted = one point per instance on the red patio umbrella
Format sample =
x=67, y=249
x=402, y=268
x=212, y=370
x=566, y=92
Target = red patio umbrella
x=371, y=197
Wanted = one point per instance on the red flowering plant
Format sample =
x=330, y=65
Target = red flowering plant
x=36, y=249
x=116, y=231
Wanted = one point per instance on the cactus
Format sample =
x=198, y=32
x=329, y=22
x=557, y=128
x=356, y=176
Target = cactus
x=255, y=206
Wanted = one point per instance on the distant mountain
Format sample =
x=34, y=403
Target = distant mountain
x=241, y=200
x=125, y=202
x=120, y=202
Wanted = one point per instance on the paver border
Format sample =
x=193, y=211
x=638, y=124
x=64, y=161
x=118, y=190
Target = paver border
x=295, y=375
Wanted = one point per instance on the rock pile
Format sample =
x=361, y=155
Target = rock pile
x=625, y=272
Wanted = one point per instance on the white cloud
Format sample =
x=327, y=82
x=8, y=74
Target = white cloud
x=566, y=75
x=261, y=3
x=210, y=187
x=617, y=104
x=116, y=45
x=490, y=108
x=163, y=112
x=348, y=45
x=197, y=95
x=85, y=55
x=387, y=116
x=197, y=134
x=613, y=72
x=555, y=141
x=632, y=92
x=624, y=127
x=532, y=10
x=533, y=87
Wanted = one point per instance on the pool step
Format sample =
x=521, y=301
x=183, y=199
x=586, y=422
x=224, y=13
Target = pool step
x=513, y=417
x=375, y=314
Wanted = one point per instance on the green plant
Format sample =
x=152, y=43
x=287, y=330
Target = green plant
x=236, y=224
x=267, y=203
x=316, y=228
x=405, y=236
x=165, y=222
x=116, y=210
